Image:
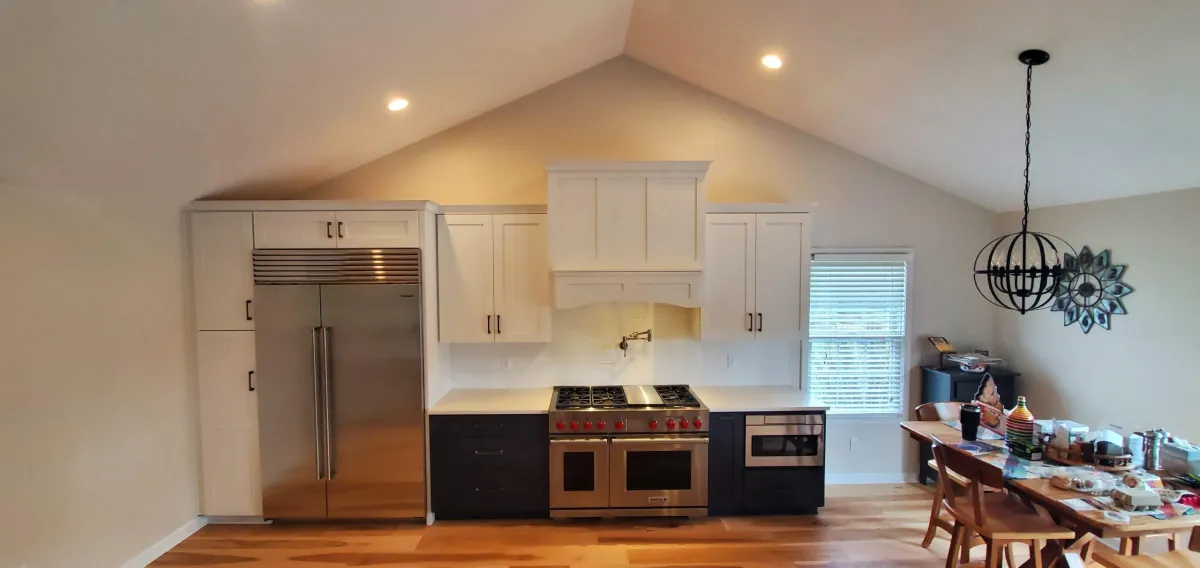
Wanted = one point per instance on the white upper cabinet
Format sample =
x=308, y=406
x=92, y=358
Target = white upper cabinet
x=294, y=229
x=228, y=424
x=627, y=216
x=378, y=229
x=340, y=229
x=521, y=278
x=222, y=277
x=493, y=279
x=756, y=278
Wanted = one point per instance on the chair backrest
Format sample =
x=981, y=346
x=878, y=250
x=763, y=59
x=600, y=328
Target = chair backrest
x=939, y=411
x=978, y=473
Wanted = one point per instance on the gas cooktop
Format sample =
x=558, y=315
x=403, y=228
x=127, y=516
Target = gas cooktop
x=625, y=397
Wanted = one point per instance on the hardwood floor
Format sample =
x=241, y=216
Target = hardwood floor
x=861, y=526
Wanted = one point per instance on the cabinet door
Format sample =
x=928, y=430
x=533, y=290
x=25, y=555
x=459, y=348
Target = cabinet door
x=294, y=229
x=378, y=229
x=781, y=276
x=466, y=311
x=729, y=278
x=725, y=463
x=521, y=278
x=222, y=272
x=228, y=423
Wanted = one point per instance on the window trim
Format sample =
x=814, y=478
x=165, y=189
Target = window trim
x=874, y=253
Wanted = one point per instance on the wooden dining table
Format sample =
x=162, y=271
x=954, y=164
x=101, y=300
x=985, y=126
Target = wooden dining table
x=1088, y=525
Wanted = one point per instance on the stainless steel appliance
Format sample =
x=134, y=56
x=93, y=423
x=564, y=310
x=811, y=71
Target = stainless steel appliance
x=341, y=417
x=628, y=451
x=785, y=440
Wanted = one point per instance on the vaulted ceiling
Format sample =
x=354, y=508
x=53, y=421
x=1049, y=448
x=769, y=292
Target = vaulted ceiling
x=182, y=98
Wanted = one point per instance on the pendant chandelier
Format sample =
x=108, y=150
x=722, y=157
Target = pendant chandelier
x=1021, y=271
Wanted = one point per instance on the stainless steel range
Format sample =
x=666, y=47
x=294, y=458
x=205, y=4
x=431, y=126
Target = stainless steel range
x=628, y=451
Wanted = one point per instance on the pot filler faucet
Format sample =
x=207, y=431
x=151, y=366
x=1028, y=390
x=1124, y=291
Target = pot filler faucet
x=635, y=336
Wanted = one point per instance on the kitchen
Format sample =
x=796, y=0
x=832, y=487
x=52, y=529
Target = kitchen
x=341, y=315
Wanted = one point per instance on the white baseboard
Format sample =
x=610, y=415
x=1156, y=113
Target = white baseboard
x=868, y=478
x=145, y=557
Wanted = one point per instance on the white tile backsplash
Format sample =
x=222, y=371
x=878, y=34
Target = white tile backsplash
x=584, y=352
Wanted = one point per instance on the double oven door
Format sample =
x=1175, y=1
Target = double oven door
x=629, y=473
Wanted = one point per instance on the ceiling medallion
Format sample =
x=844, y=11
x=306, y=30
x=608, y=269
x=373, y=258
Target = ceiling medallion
x=1021, y=271
x=1091, y=290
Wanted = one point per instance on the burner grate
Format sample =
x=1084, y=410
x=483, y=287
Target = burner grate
x=676, y=396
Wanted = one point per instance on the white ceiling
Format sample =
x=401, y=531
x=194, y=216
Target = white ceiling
x=190, y=97
x=182, y=98
x=932, y=88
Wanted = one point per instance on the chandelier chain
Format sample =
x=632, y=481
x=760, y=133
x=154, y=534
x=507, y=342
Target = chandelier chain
x=1028, y=127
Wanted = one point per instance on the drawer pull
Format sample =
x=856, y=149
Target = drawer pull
x=496, y=453
x=479, y=490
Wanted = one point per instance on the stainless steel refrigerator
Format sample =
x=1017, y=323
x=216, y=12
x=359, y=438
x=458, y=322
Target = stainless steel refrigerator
x=340, y=389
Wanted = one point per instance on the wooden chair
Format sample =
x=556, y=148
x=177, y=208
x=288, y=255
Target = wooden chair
x=939, y=411
x=1000, y=519
x=931, y=412
x=1175, y=559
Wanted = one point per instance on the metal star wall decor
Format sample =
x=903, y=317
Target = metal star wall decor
x=1091, y=290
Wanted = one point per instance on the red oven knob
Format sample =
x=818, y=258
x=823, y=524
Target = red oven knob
x=697, y=423
x=670, y=424
x=683, y=424
x=653, y=424
x=587, y=425
x=574, y=425
x=620, y=425
x=560, y=425
x=600, y=425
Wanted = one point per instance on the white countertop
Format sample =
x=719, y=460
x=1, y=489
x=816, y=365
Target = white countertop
x=494, y=401
x=757, y=398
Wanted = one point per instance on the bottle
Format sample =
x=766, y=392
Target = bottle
x=1019, y=425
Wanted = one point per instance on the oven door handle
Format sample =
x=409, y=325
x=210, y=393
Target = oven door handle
x=578, y=441
x=660, y=440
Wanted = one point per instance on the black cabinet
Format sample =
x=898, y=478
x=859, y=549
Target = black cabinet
x=955, y=384
x=489, y=466
x=734, y=489
x=726, y=459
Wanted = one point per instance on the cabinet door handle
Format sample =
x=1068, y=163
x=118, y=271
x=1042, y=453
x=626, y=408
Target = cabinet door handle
x=497, y=324
x=250, y=380
x=329, y=229
x=340, y=235
x=480, y=490
x=489, y=324
x=248, y=316
x=760, y=321
x=498, y=453
x=751, y=328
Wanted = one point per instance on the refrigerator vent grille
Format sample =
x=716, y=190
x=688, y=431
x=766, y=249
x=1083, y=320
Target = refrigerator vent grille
x=337, y=266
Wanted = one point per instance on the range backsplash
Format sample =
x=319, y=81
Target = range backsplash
x=584, y=352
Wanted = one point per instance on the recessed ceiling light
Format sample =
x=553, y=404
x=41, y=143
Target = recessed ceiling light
x=772, y=61
x=397, y=104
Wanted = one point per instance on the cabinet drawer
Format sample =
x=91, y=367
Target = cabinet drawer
x=488, y=452
x=490, y=493
x=525, y=426
x=784, y=490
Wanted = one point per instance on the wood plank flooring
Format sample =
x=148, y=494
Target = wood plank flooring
x=861, y=526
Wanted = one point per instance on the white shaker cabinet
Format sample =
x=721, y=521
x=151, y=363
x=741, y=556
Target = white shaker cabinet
x=493, y=279
x=222, y=275
x=228, y=424
x=340, y=229
x=756, y=278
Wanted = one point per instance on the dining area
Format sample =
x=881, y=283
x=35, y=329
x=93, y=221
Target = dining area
x=996, y=500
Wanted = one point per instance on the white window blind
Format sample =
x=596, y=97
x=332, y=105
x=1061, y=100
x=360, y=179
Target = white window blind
x=857, y=327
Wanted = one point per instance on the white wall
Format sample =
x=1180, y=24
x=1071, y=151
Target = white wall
x=1142, y=372
x=96, y=423
x=623, y=110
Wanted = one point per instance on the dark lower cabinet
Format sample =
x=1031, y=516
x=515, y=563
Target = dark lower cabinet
x=734, y=489
x=489, y=466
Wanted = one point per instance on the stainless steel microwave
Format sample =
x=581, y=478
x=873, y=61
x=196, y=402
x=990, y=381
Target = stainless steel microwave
x=785, y=440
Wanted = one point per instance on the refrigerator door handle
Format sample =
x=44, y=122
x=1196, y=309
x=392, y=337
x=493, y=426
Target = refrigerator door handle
x=316, y=370
x=329, y=473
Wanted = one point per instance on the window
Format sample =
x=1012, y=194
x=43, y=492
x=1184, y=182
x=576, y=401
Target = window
x=857, y=312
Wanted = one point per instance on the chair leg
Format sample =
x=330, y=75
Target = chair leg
x=1127, y=548
x=1036, y=552
x=965, y=546
x=934, y=515
x=1008, y=555
x=955, y=541
x=993, y=554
